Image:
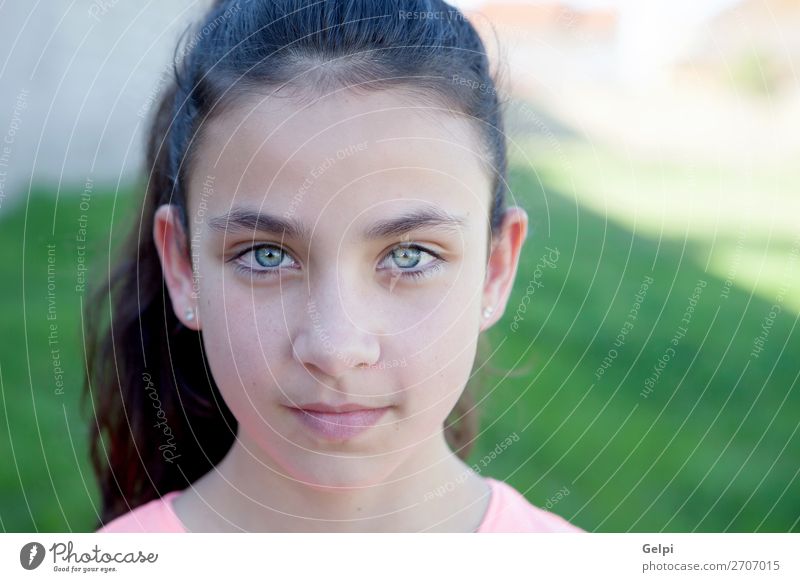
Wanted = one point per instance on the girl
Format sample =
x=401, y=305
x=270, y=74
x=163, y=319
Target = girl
x=324, y=237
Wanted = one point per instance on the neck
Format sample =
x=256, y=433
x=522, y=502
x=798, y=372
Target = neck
x=432, y=490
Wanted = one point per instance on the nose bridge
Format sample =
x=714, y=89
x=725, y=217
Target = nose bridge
x=335, y=333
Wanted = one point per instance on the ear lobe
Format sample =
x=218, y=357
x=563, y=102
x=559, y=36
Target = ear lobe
x=501, y=268
x=176, y=265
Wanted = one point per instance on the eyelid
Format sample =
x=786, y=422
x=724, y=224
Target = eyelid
x=255, y=247
x=432, y=266
x=409, y=245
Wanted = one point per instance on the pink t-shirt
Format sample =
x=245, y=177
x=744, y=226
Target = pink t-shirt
x=509, y=511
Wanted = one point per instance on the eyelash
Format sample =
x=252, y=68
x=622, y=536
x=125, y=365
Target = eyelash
x=433, y=266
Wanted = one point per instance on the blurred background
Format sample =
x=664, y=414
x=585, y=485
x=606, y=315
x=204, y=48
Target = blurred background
x=648, y=360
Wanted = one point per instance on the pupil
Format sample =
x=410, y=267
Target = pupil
x=407, y=254
x=265, y=255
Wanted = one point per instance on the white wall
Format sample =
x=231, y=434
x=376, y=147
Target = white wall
x=76, y=79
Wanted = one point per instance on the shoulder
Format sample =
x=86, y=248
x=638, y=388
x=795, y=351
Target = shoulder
x=156, y=516
x=510, y=511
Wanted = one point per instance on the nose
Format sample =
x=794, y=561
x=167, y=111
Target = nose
x=334, y=337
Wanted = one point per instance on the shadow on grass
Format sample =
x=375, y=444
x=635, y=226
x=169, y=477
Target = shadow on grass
x=649, y=418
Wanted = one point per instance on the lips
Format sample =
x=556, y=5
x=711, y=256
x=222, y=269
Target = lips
x=337, y=422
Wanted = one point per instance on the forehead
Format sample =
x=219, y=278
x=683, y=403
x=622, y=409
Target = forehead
x=344, y=153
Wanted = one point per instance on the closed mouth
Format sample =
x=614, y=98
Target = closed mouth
x=341, y=425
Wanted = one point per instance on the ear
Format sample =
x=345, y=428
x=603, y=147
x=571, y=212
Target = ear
x=503, y=260
x=176, y=265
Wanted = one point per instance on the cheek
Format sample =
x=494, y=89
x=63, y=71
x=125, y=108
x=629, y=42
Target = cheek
x=242, y=351
x=235, y=313
x=440, y=362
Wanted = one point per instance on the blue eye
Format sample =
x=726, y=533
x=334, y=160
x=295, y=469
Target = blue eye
x=261, y=260
x=265, y=256
x=409, y=256
x=267, y=260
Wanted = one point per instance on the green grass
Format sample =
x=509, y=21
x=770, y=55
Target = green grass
x=46, y=483
x=714, y=447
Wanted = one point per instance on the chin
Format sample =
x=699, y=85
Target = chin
x=340, y=472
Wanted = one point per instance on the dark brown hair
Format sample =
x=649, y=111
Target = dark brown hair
x=159, y=420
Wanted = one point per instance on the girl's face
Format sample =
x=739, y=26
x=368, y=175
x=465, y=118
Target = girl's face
x=337, y=254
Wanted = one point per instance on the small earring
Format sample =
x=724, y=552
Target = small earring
x=189, y=313
x=488, y=311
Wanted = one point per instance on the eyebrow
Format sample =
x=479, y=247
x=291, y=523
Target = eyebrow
x=244, y=219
